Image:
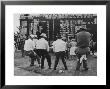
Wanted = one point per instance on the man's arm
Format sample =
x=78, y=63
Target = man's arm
x=47, y=46
x=53, y=46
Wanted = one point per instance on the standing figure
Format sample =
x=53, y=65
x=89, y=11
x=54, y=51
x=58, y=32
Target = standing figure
x=35, y=39
x=83, y=39
x=72, y=49
x=22, y=42
x=29, y=47
x=59, y=47
x=15, y=41
x=93, y=47
x=42, y=49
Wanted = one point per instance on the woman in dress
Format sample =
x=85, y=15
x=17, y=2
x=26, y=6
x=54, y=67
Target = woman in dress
x=72, y=49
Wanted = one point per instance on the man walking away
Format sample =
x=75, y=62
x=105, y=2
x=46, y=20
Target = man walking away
x=59, y=47
x=42, y=47
x=83, y=39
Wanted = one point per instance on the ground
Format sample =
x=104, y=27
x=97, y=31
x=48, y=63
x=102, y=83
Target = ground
x=22, y=68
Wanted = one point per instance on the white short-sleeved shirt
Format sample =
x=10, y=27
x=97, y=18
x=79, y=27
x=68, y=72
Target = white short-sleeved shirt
x=29, y=45
x=59, y=45
x=42, y=44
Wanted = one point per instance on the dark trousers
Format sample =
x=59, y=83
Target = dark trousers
x=33, y=57
x=79, y=64
x=79, y=52
x=58, y=56
x=44, y=54
x=22, y=51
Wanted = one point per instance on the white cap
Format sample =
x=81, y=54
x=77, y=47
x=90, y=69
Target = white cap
x=32, y=35
x=63, y=37
x=43, y=35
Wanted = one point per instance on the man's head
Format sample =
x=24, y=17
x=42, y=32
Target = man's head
x=63, y=38
x=58, y=37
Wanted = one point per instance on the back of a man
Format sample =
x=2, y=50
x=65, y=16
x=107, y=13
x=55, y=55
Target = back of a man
x=29, y=47
x=59, y=45
x=42, y=44
x=42, y=49
x=83, y=39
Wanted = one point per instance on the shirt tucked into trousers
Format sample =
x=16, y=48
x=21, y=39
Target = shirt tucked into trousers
x=59, y=47
x=42, y=49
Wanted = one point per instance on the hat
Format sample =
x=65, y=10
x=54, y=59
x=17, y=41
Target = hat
x=64, y=38
x=35, y=36
x=73, y=39
x=32, y=36
x=43, y=35
x=83, y=29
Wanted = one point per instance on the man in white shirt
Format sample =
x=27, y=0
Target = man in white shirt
x=59, y=47
x=42, y=49
x=29, y=47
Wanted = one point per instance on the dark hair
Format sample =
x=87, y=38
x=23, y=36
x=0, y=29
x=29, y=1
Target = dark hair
x=59, y=37
x=83, y=29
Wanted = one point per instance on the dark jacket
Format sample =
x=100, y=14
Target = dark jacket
x=83, y=39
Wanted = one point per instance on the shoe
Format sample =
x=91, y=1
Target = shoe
x=61, y=71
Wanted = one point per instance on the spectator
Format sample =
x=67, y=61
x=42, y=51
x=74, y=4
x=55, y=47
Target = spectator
x=72, y=49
